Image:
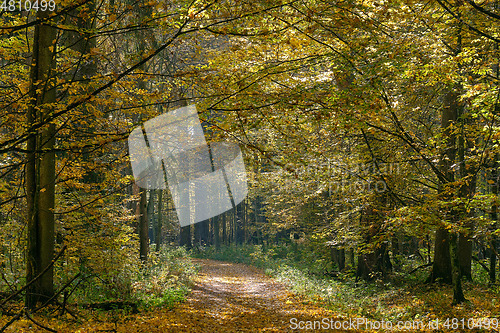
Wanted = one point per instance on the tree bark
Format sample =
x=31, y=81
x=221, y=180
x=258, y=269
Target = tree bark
x=493, y=261
x=216, y=231
x=441, y=267
x=494, y=174
x=338, y=258
x=458, y=294
x=159, y=220
x=374, y=261
x=40, y=167
x=151, y=206
x=465, y=256
x=143, y=225
x=197, y=235
x=202, y=233
x=186, y=237
x=224, y=231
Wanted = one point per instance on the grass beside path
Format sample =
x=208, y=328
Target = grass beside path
x=402, y=298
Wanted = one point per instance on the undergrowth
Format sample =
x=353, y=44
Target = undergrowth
x=111, y=294
x=162, y=281
x=401, y=296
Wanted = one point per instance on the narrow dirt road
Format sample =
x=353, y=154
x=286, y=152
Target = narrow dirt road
x=232, y=298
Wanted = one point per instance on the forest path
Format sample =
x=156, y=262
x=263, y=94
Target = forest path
x=229, y=297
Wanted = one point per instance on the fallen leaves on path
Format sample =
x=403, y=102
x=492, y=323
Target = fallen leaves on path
x=226, y=297
x=229, y=297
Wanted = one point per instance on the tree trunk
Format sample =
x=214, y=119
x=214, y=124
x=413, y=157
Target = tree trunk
x=395, y=249
x=373, y=261
x=40, y=167
x=46, y=207
x=152, y=205
x=224, y=231
x=216, y=230
x=493, y=261
x=201, y=233
x=458, y=294
x=240, y=216
x=204, y=232
x=244, y=224
x=465, y=256
x=441, y=268
x=494, y=175
x=338, y=258
x=143, y=225
x=186, y=237
x=350, y=255
x=159, y=220
x=374, y=264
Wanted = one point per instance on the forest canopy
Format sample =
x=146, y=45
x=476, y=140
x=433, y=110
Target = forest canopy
x=369, y=131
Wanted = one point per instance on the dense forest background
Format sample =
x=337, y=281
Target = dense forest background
x=370, y=132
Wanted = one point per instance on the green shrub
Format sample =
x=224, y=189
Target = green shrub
x=163, y=281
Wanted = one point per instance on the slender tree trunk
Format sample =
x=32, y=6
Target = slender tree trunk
x=46, y=207
x=338, y=258
x=216, y=230
x=198, y=231
x=374, y=260
x=458, y=294
x=465, y=256
x=142, y=211
x=244, y=224
x=186, y=237
x=233, y=219
x=441, y=268
x=204, y=232
x=494, y=175
x=467, y=190
x=211, y=233
x=32, y=256
x=493, y=261
x=350, y=255
x=143, y=225
x=40, y=168
x=159, y=220
x=395, y=248
x=152, y=205
x=240, y=217
x=224, y=231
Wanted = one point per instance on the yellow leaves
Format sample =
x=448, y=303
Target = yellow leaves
x=294, y=42
x=192, y=13
x=94, y=51
x=24, y=87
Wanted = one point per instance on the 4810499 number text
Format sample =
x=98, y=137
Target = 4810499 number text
x=27, y=5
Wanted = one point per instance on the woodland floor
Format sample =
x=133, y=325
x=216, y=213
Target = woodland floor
x=229, y=297
x=226, y=297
